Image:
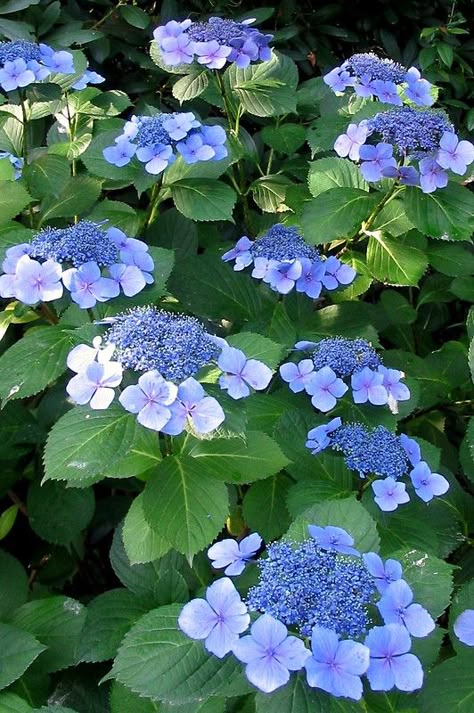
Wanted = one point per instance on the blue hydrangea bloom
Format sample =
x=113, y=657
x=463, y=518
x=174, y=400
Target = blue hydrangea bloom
x=426, y=483
x=370, y=450
x=336, y=666
x=298, y=376
x=389, y=494
x=203, y=413
x=213, y=43
x=218, y=619
x=464, y=627
x=319, y=438
x=95, y=384
x=241, y=373
x=391, y=666
x=413, y=146
x=89, y=77
x=383, y=572
x=367, y=385
x=150, y=400
x=23, y=63
x=282, y=259
x=88, y=249
x=388, y=81
x=345, y=356
x=234, y=555
x=334, y=539
x=325, y=388
x=396, y=607
x=270, y=654
x=157, y=140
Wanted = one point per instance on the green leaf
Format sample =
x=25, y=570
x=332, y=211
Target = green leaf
x=446, y=214
x=392, y=219
x=212, y=289
x=463, y=288
x=237, y=460
x=13, y=584
x=7, y=520
x=85, y=443
x=57, y=622
x=120, y=215
x=47, y=175
x=142, y=543
x=348, y=513
x=448, y=687
x=405, y=528
x=327, y=173
x=34, y=362
x=203, y=199
x=151, y=581
x=14, y=199
x=77, y=198
x=157, y=661
x=264, y=507
x=59, y=514
x=11, y=703
x=265, y=89
x=184, y=504
x=286, y=139
x=255, y=346
x=172, y=230
x=430, y=578
x=336, y=213
x=135, y=16
x=453, y=260
x=18, y=651
x=295, y=697
x=393, y=261
x=123, y=700
x=109, y=616
x=269, y=192
x=322, y=133
x=190, y=86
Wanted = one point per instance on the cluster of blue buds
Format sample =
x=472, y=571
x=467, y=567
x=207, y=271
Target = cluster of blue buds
x=283, y=260
x=34, y=271
x=154, y=140
x=379, y=452
x=335, y=358
x=23, y=62
x=388, y=81
x=357, y=609
x=168, y=350
x=16, y=162
x=414, y=146
x=212, y=43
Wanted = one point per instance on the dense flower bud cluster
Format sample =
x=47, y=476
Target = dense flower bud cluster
x=372, y=76
x=157, y=140
x=34, y=272
x=23, y=62
x=212, y=43
x=283, y=260
x=357, y=609
x=335, y=358
x=168, y=350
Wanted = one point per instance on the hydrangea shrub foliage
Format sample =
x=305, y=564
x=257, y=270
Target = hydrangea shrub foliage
x=236, y=376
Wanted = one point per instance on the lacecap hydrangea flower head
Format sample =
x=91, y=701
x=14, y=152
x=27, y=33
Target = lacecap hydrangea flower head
x=332, y=362
x=23, y=63
x=167, y=351
x=388, y=81
x=212, y=43
x=157, y=140
x=413, y=146
x=379, y=452
x=357, y=611
x=284, y=261
x=92, y=262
